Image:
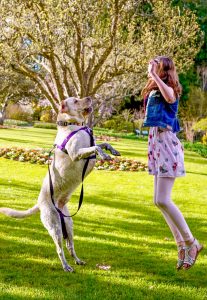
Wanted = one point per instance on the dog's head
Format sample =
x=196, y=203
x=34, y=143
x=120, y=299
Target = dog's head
x=76, y=110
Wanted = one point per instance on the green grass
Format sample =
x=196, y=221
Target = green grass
x=117, y=225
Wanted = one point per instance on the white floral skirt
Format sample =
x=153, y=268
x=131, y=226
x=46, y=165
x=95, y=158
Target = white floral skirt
x=165, y=154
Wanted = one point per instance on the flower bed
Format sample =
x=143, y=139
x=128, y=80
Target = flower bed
x=120, y=164
x=34, y=156
x=41, y=156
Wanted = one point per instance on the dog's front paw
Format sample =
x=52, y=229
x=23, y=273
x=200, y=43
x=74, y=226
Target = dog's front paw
x=115, y=152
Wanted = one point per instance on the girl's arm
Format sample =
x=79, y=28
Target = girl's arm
x=166, y=91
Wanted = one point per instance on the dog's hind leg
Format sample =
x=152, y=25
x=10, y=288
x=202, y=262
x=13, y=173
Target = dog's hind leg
x=52, y=223
x=69, y=240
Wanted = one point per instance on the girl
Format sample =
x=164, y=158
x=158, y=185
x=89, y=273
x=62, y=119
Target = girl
x=165, y=155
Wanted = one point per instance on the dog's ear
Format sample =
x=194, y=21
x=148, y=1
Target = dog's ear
x=63, y=107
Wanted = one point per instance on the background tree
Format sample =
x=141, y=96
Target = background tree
x=194, y=109
x=86, y=47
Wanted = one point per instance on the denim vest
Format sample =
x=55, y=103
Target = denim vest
x=160, y=113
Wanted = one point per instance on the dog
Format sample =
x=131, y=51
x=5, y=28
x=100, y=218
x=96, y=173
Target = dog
x=65, y=173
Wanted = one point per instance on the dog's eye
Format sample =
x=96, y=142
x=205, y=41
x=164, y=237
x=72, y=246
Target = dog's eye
x=75, y=101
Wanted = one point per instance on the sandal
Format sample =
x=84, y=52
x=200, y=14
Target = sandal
x=189, y=261
x=181, y=253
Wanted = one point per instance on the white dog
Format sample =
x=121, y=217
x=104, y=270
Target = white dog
x=66, y=173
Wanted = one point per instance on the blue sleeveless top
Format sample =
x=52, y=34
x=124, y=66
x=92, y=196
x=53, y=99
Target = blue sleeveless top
x=160, y=113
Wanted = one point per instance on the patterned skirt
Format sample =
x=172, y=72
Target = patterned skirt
x=165, y=154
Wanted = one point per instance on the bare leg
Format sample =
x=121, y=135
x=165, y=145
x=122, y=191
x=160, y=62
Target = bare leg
x=52, y=223
x=180, y=229
x=176, y=233
x=69, y=240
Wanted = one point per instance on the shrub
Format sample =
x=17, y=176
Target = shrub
x=47, y=116
x=11, y=122
x=201, y=149
x=201, y=125
x=17, y=112
x=109, y=124
x=204, y=139
x=119, y=124
x=45, y=125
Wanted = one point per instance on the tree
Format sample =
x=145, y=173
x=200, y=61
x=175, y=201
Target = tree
x=89, y=47
x=199, y=7
x=194, y=109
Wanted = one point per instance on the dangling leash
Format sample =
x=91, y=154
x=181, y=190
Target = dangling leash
x=62, y=148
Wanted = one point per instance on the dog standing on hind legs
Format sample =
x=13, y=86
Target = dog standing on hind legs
x=73, y=147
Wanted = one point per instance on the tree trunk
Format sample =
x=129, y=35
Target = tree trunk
x=2, y=117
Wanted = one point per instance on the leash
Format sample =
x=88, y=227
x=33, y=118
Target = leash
x=62, y=148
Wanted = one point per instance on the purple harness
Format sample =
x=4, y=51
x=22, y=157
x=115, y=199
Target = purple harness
x=86, y=129
x=62, y=148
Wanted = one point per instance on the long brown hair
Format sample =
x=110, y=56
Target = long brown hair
x=167, y=72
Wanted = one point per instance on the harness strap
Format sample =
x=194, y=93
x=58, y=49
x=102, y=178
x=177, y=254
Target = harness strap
x=62, y=147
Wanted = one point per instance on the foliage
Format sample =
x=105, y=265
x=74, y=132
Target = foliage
x=47, y=116
x=201, y=149
x=83, y=48
x=18, y=112
x=127, y=120
x=200, y=9
x=12, y=122
x=118, y=124
x=193, y=110
x=204, y=139
x=201, y=125
x=14, y=88
x=45, y=125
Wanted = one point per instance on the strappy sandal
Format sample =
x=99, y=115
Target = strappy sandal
x=181, y=253
x=190, y=261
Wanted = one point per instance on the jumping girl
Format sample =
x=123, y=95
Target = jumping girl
x=165, y=152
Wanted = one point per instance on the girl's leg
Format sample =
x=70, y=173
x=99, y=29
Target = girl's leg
x=176, y=223
x=174, y=217
x=175, y=231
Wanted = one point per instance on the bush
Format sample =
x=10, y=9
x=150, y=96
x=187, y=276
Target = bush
x=109, y=124
x=204, y=139
x=117, y=123
x=17, y=112
x=11, y=122
x=45, y=125
x=47, y=116
x=201, y=125
x=201, y=149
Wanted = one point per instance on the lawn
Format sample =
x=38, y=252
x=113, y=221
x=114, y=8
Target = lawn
x=117, y=225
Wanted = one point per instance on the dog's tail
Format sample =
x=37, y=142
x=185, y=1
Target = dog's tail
x=19, y=213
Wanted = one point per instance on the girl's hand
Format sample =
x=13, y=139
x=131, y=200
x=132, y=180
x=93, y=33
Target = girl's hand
x=152, y=68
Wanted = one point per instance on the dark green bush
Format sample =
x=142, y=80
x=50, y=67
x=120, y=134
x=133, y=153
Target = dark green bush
x=201, y=149
x=117, y=123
